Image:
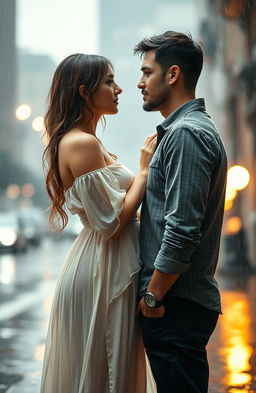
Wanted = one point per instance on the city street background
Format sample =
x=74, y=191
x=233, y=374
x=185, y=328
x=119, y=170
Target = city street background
x=34, y=37
x=27, y=285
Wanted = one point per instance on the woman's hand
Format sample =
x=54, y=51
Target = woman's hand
x=147, y=151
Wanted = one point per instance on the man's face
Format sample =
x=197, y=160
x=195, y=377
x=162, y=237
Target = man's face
x=153, y=84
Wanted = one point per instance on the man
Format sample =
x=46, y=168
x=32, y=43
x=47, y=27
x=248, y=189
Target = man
x=181, y=217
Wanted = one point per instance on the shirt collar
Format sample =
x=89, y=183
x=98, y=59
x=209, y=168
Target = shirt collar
x=197, y=104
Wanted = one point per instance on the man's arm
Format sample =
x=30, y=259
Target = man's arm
x=188, y=164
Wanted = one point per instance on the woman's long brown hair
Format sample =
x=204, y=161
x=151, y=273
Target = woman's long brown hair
x=65, y=108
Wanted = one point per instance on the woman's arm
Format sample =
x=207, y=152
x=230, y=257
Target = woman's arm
x=136, y=192
x=85, y=155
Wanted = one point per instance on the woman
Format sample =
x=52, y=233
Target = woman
x=93, y=343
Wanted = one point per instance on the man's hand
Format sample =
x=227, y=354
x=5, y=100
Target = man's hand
x=148, y=311
x=159, y=285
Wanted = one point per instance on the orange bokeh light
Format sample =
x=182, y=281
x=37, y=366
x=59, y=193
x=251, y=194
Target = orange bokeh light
x=28, y=190
x=233, y=225
x=13, y=191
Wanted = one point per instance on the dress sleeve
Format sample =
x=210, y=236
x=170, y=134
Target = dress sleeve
x=102, y=199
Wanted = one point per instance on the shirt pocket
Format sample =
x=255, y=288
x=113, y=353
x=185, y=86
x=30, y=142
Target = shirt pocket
x=154, y=175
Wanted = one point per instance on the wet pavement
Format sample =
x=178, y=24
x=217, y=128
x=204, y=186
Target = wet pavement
x=232, y=348
x=26, y=287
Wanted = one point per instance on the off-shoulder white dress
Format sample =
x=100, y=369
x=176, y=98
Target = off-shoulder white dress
x=93, y=342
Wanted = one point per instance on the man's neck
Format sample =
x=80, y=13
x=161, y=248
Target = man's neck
x=175, y=103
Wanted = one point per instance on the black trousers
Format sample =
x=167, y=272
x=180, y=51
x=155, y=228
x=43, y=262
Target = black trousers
x=175, y=346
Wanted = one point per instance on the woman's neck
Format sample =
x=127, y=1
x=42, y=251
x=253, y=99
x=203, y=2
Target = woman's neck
x=88, y=125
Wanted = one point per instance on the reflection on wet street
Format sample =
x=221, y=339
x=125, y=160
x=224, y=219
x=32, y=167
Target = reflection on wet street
x=7, y=271
x=26, y=288
x=232, y=350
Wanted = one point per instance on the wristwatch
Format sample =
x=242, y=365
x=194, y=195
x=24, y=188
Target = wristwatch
x=151, y=300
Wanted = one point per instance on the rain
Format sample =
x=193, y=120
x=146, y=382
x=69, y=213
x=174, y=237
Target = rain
x=34, y=38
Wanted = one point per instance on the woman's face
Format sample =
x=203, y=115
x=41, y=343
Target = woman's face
x=105, y=99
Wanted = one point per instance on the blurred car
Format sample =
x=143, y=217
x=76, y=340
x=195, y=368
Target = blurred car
x=33, y=221
x=12, y=235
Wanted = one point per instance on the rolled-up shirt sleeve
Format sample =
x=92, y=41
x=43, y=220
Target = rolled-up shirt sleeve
x=188, y=164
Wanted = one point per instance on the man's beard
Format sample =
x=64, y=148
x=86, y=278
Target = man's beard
x=150, y=106
x=154, y=105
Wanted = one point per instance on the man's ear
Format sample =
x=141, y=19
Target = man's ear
x=83, y=93
x=173, y=74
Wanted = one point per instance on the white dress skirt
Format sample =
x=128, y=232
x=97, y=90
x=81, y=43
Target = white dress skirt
x=94, y=343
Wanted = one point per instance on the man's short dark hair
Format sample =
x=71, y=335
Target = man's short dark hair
x=172, y=48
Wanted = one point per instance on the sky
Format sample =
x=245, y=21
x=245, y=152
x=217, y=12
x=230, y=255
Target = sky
x=57, y=27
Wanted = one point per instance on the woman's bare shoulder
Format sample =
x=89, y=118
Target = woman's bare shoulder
x=76, y=139
x=81, y=152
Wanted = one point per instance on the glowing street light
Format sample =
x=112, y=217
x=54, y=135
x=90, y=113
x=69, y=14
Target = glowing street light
x=238, y=177
x=23, y=112
x=228, y=205
x=28, y=190
x=231, y=193
x=13, y=191
x=38, y=124
x=233, y=225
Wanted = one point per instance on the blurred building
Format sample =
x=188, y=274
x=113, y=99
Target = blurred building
x=7, y=76
x=229, y=33
x=34, y=74
x=25, y=82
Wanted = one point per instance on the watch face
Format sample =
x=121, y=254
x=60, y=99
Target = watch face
x=150, y=299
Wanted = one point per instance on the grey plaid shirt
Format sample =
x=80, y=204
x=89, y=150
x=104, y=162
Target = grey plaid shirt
x=182, y=211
